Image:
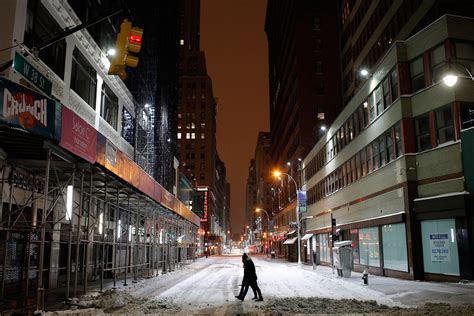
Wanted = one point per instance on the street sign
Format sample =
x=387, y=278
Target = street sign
x=25, y=69
x=302, y=201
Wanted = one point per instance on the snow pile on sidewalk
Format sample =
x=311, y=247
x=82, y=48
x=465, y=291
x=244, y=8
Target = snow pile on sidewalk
x=314, y=305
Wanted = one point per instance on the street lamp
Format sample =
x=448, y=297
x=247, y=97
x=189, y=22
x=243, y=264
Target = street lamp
x=277, y=174
x=450, y=79
x=268, y=219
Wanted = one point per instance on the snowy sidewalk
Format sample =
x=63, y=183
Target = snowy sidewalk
x=208, y=286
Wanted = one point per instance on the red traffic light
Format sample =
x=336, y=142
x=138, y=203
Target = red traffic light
x=135, y=39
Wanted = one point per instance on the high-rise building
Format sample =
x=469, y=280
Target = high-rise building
x=368, y=28
x=303, y=76
x=74, y=150
x=305, y=93
x=196, y=128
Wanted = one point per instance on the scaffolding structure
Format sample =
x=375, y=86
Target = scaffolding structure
x=67, y=225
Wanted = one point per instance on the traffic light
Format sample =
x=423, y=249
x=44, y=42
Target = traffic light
x=129, y=40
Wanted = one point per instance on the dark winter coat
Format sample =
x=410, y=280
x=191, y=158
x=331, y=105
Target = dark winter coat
x=250, y=275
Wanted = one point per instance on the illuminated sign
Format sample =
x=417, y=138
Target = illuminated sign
x=205, y=206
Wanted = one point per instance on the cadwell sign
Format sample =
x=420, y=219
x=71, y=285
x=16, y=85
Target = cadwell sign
x=78, y=136
x=22, y=107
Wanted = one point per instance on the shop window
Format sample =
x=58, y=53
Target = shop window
x=440, y=248
x=355, y=245
x=467, y=115
x=394, y=245
x=369, y=251
x=438, y=64
x=109, y=106
x=444, y=124
x=39, y=27
x=83, y=78
x=422, y=133
x=417, y=75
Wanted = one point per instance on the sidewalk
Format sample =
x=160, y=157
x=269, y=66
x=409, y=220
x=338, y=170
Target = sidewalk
x=406, y=292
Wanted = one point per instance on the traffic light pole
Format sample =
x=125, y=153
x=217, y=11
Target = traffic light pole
x=62, y=35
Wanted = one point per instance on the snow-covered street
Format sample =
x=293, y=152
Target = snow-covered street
x=209, y=286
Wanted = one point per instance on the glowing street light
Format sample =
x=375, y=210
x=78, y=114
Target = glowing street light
x=450, y=79
x=277, y=174
x=364, y=72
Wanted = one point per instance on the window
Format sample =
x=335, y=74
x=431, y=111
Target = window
x=362, y=117
x=109, y=106
x=193, y=135
x=422, y=133
x=369, y=103
x=382, y=151
x=318, y=67
x=363, y=160
x=203, y=125
x=193, y=126
x=188, y=135
x=375, y=155
x=320, y=116
x=467, y=115
x=369, y=246
x=394, y=84
x=444, y=124
x=394, y=245
x=378, y=99
x=464, y=50
x=317, y=44
x=417, y=75
x=179, y=135
x=390, y=147
x=319, y=87
x=398, y=140
x=40, y=26
x=355, y=245
x=440, y=247
x=370, y=165
x=316, y=23
x=128, y=123
x=83, y=78
x=437, y=61
x=386, y=93
x=203, y=135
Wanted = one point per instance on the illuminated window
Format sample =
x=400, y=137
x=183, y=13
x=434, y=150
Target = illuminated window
x=181, y=42
x=188, y=135
x=179, y=135
x=179, y=126
x=202, y=136
x=193, y=135
x=320, y=115
x=193, y=126
x=203, y=124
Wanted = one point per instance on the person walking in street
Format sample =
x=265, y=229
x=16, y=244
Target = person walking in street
x=249, y=280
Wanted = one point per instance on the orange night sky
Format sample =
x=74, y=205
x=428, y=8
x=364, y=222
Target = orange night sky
x=235, y=44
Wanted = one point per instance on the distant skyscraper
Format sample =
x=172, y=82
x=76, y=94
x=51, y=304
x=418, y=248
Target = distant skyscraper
x=303, y=74
x=196, y=128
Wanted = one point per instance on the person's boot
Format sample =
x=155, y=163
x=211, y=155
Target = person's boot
x=240, y=297
x=260, y=299
x=254, y=298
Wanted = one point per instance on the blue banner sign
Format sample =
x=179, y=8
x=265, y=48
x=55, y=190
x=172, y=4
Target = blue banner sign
x=302, y=201
x=24, y=108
